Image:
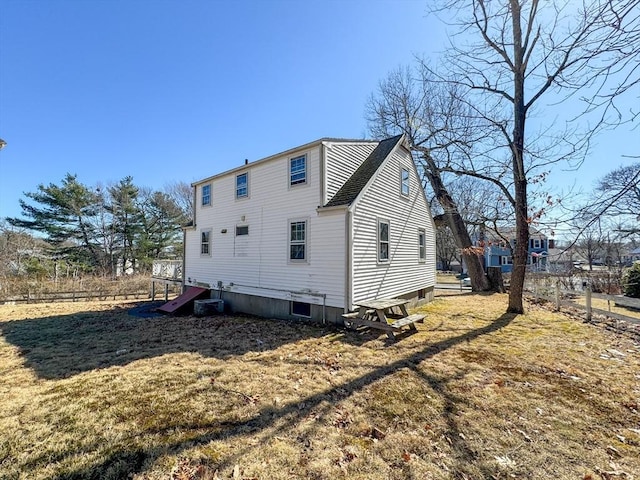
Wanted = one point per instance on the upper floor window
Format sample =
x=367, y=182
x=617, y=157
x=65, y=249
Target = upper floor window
x=242, y=230
x=404, y=181
x=535, y=243
x=298, y=240
x=422, y=245
x=298, y=170
x=205, y=242
x=383, y=241
x=242, y=185
x=206, y=195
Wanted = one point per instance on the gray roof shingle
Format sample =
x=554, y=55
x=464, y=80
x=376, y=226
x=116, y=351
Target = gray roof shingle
x=354, y=185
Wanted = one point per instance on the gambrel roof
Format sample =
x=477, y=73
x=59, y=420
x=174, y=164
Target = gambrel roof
x=354, y=185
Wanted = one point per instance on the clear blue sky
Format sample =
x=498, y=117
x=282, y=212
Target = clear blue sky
x=167, y=90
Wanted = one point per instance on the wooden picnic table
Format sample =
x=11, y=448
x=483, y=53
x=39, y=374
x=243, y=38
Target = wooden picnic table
x=388, y=314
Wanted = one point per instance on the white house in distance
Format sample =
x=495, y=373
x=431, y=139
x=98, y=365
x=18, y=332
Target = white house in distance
x=309, y=232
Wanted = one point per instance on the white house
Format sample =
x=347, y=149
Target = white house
x=309, y=232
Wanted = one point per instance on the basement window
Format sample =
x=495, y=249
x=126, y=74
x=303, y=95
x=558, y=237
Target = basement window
x=300, y=309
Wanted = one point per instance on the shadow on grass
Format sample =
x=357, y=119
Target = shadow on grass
x=62, y=346
x=280, y=420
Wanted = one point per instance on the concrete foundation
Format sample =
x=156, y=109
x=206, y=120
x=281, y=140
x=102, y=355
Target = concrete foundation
x=283, y=309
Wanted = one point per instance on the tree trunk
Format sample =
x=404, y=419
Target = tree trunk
x=458, y=228
x=521, y=250
x=496, y=283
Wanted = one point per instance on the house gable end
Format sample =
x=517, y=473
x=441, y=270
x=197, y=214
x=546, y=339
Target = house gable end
x=364, y=173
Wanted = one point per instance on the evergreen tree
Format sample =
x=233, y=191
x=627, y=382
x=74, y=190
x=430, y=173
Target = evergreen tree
x=63, y=213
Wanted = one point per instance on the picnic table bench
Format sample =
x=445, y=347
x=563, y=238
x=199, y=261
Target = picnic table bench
x=388, y=314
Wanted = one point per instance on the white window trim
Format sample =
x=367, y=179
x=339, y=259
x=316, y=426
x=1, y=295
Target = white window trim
x=379, y=241
x=208, y=254
x=304, y=260
x=306, y=171
x=242, y=197
x=202, y=204
x=536, y=243
x=422, y=248
x=299, y=314
x=402, y=182
x=244, y=234
x=504, y=260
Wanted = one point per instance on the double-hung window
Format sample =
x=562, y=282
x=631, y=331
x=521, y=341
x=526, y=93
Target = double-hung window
x=298, y=170
x=242, y=185
x=383, y=241
x=422, y=250
x=298, y=241
x=205, y=242
x=404, y=182
x=206, y=195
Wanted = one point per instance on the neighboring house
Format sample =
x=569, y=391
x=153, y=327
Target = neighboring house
x=309, y=232
x=631, y=257
x=498, y=254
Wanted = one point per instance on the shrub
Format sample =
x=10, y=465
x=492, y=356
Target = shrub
x=631, y=281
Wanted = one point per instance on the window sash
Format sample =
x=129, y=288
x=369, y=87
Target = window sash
x=242, y=230
x=298, y=240
x=206, y=195
x=242, y=185
x=404, y=181
x=422, y=252
x=298, y=170
x=383, y=241
x=205, y=242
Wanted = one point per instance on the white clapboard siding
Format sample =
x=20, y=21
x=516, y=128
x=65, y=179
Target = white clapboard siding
x=342, y=159
x=404, y=273
x=259, y=262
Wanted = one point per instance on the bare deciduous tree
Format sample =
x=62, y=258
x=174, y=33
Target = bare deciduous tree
x=508, y=56
x=431, y=118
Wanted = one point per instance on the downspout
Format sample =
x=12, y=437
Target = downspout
x=324, y=309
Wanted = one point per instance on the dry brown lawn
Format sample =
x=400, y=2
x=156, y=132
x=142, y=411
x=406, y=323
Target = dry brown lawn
x=89, y=391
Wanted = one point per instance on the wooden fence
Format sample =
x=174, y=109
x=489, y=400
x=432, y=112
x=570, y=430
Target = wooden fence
x=83, y=289
x=74, y=296
x=627, y=316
